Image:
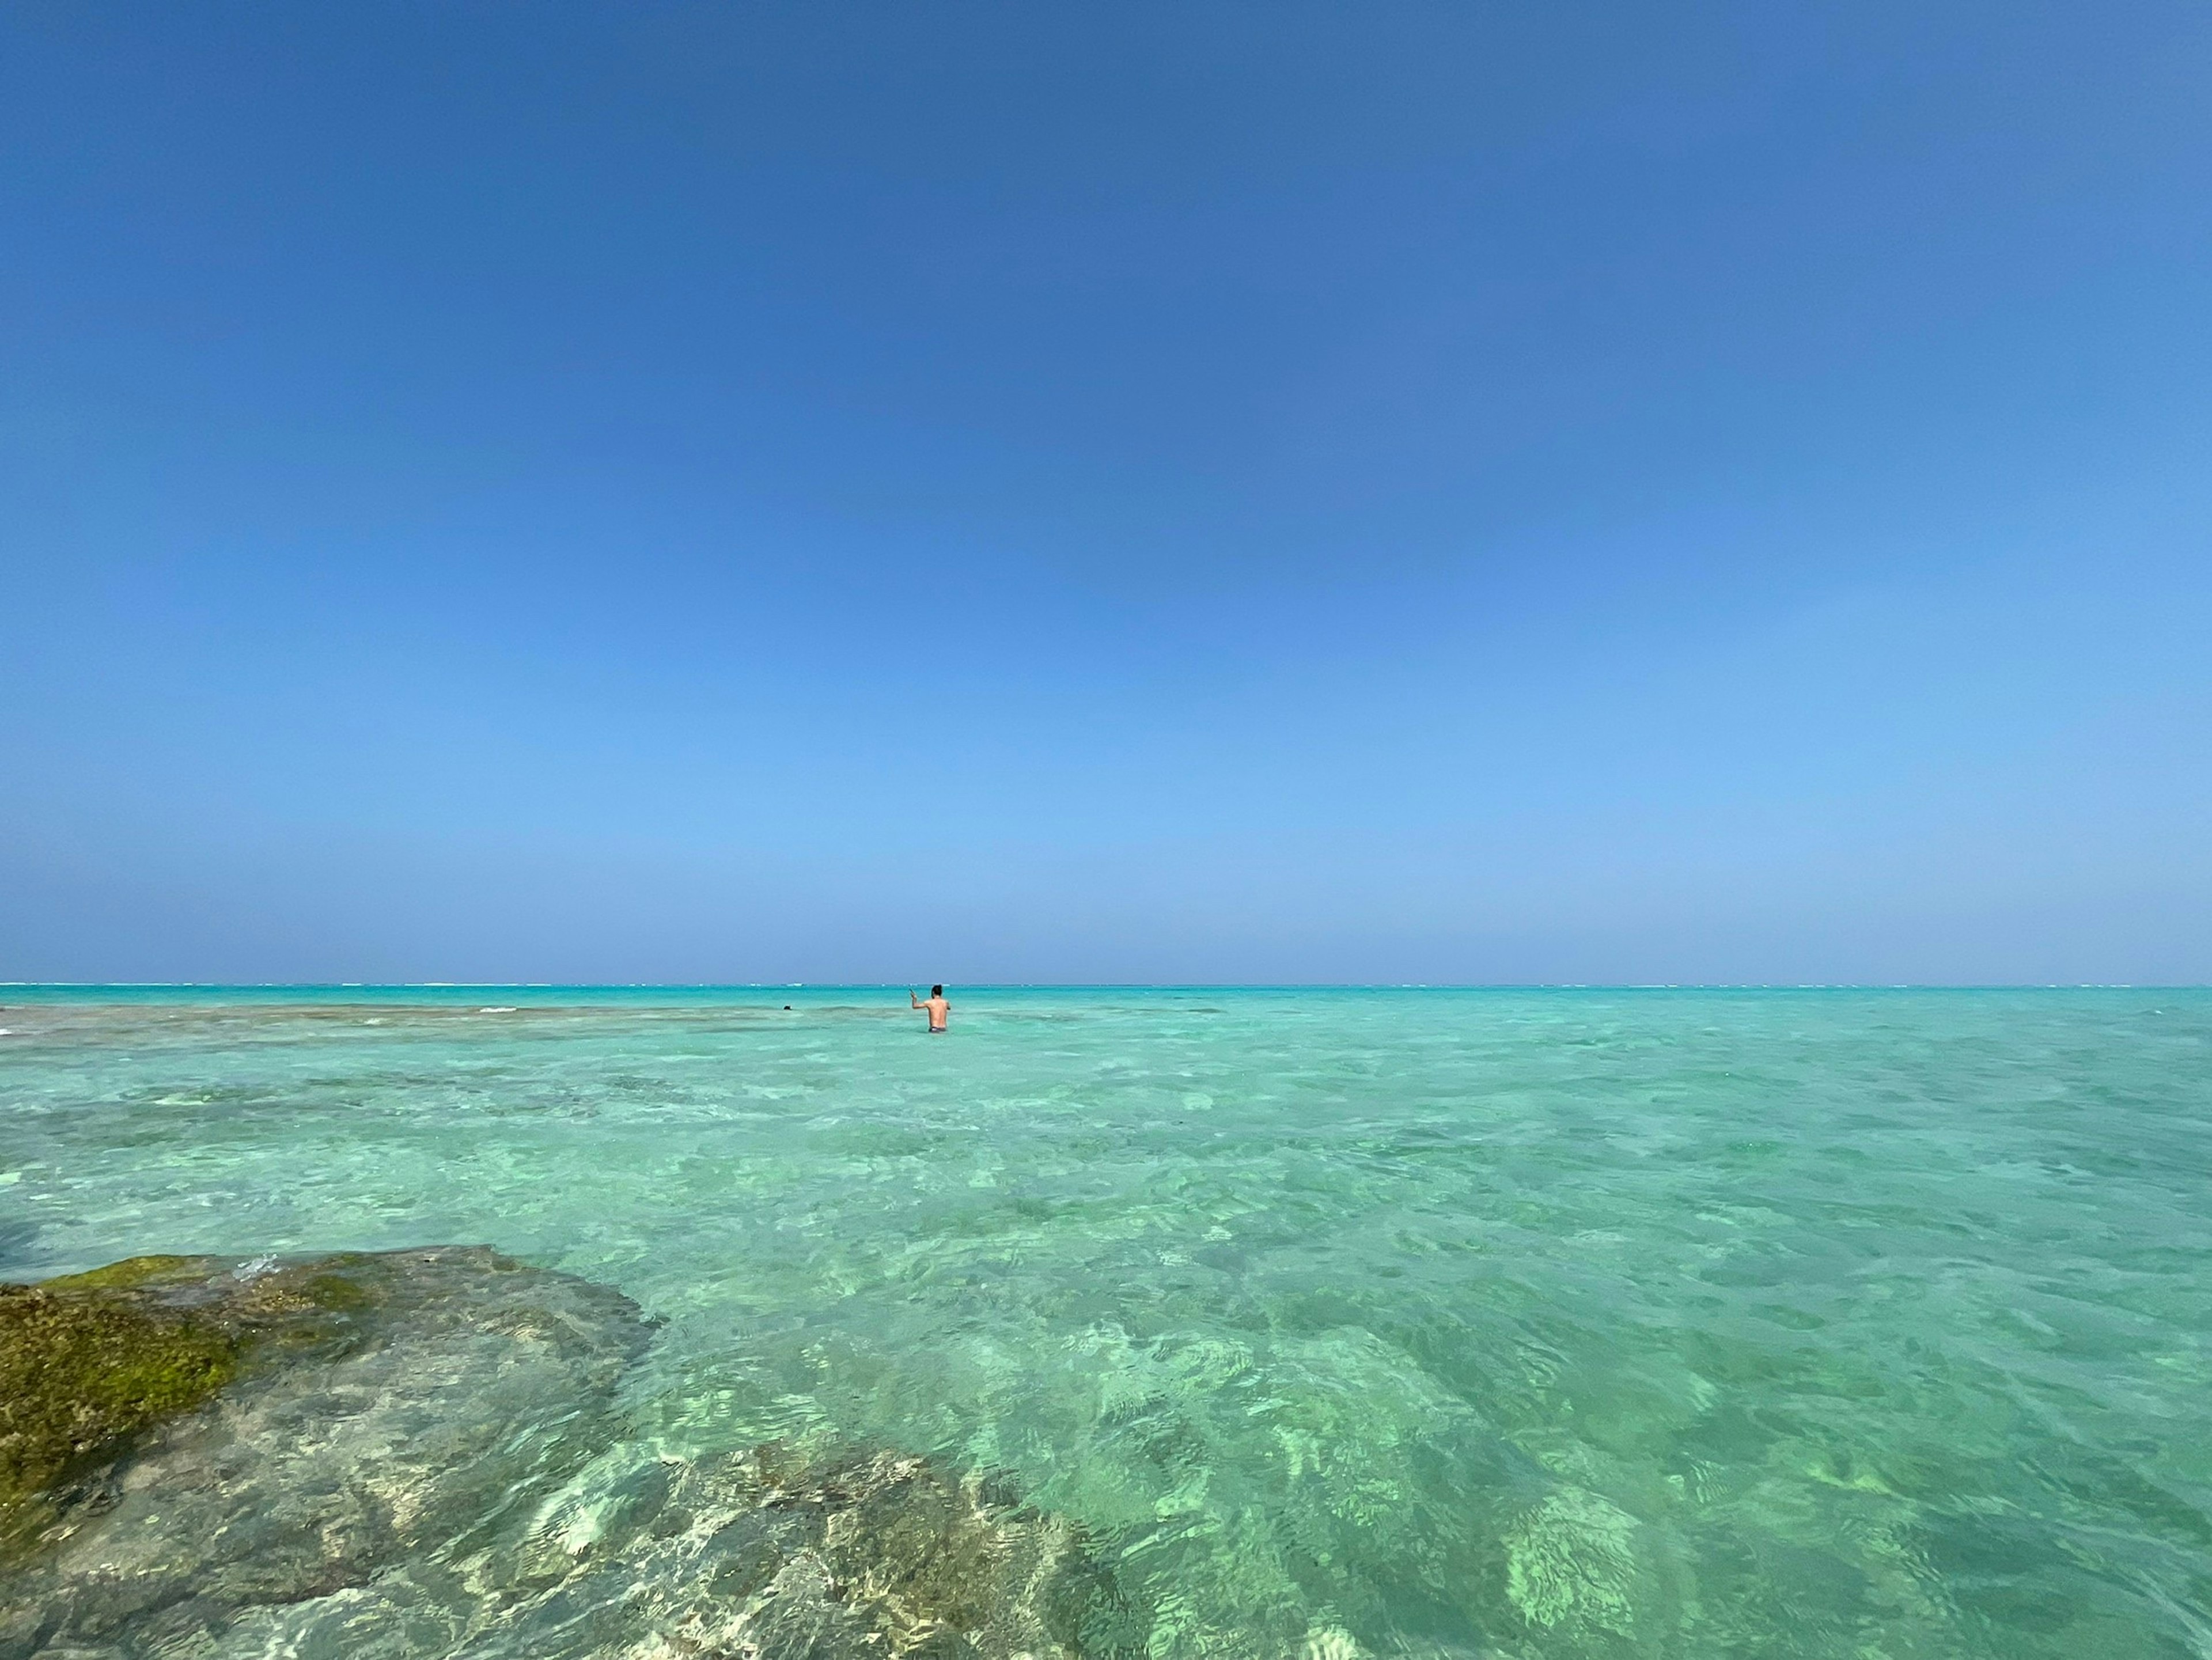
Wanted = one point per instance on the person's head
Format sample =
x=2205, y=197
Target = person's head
x=937, y=991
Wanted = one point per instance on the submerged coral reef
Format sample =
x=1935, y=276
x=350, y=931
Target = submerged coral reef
x=421, y=1452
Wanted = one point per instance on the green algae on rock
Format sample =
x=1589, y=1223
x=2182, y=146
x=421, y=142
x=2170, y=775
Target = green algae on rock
x=91, y=1362
x=82, y=1371
x=131, y=1273
x=378, y=1408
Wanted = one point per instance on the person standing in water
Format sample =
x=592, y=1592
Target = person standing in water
x=934, y=1003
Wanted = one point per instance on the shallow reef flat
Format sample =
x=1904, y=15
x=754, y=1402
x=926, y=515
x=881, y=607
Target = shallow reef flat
x=422, y=1452
x=1337, y=1325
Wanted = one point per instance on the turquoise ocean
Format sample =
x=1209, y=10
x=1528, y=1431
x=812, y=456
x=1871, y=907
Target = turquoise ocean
x=1837, y=1324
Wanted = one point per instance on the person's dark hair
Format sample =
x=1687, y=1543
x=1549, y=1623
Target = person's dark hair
x=937, y=991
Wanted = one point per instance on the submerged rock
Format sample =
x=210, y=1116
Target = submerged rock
x=84, y=1368
x=90, y=1362
x=358, y=1408
x=783, y=1554
x=419, y=1453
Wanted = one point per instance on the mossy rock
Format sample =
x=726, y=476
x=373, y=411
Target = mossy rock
x=89, y=1362
x=83, y=1370
x=132, y=1274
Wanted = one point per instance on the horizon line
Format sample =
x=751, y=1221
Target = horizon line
x=1104, y=985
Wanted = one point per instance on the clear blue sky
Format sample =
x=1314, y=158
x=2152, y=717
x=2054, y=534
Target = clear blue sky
x=1137, y=492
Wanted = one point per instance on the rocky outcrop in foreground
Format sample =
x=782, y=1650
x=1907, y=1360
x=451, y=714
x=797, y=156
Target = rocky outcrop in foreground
x=419, y=1453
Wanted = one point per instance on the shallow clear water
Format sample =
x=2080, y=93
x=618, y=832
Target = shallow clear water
x=1546, y=1323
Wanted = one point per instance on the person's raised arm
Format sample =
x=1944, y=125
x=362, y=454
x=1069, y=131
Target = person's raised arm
x=912, y=1001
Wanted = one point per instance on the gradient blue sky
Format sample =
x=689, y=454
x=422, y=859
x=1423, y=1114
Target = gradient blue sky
x=1380, y=492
